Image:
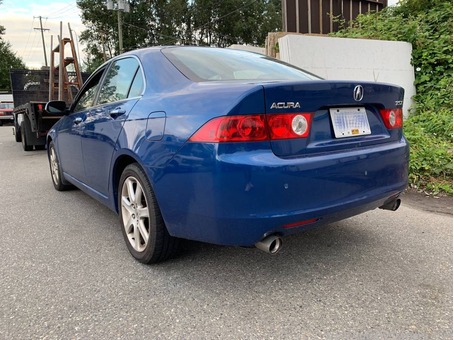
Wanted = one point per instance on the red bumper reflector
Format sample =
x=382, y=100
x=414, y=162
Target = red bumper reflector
x=299, y=224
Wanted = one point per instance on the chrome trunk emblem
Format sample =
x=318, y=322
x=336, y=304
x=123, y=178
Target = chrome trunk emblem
x=358, y=93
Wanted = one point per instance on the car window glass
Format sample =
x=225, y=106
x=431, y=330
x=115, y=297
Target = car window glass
x=137, y=85
x=118, y=80
x=87, y=97
x=206, y=64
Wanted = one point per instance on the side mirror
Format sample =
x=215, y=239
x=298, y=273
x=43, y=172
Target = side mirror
x=56, y=106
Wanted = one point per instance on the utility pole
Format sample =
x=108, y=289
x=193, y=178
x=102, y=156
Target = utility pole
x=103, y=37
x=42, y=36
x=120, y=32
x=122, y=6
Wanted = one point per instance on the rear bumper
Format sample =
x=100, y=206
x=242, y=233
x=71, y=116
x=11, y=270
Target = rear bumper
x=8, y=118
x=239, y=197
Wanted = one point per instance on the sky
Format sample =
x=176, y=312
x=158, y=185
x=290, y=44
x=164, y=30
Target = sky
x=20, y=18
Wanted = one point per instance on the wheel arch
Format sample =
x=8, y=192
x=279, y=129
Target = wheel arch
x=51, y=137
x=48, y=140
x=120, y=164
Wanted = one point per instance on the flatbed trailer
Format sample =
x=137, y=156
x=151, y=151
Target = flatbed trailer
x=32, y=89
x=30, y=94
x=31, y=124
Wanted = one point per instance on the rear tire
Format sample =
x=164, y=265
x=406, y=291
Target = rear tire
x=25, y=145
x=143, y=227
x=17, y=134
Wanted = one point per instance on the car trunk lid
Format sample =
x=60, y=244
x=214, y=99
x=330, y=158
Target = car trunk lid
x=344, y=115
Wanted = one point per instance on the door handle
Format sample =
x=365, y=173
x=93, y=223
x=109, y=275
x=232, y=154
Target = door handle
x=77, y=121
x=95, y=112
x=117, y=112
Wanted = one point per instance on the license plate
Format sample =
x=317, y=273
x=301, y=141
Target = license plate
x=349, y=122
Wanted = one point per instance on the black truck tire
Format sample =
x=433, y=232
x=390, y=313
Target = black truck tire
x=17, y=133
x=25, y=145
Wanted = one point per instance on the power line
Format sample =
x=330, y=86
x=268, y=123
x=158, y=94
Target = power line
x=34, y=45
x=28, y=39
x=61, y=12
x=28, y=52
x=226, y=15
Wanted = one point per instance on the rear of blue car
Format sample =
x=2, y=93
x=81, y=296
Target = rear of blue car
x=301, y=154
x=227, y=147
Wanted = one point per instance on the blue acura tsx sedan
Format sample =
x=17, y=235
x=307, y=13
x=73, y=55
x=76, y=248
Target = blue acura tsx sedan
x=226, y=147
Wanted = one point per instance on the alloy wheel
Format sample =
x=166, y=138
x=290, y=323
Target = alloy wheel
x=135, y=214
x=54, y=166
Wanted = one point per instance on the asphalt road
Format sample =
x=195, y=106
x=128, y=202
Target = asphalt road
x=66, y=274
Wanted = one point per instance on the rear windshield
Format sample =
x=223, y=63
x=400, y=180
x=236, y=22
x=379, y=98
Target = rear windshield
x=213, y=64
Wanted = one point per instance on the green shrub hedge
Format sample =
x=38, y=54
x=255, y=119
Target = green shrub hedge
x=427, y=25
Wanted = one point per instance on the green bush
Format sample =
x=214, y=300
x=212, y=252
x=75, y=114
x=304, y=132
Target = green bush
x=430, y=158
x=427, y=25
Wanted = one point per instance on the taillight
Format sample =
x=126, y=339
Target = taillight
x=248, y=128
x=285, y=126
x=233, y=129
x=392, y=118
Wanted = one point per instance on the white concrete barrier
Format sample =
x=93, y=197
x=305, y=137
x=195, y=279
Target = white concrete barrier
x=353, y=59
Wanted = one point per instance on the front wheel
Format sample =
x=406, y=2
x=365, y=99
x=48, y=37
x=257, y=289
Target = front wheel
x=55, y=170
x=143, y=227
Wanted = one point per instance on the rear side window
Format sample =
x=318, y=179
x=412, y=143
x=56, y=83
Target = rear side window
x=117, y=83
x=209, y=64
x=137, y=85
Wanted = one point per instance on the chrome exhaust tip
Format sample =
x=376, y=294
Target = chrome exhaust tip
x=270, y=244
x=392, y=205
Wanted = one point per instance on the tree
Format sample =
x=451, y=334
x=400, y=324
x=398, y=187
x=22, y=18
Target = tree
x=180, y=22
x=223, y=23
x=8, y=60
x=203, y=19
x=2, y=28
x=101, y=36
